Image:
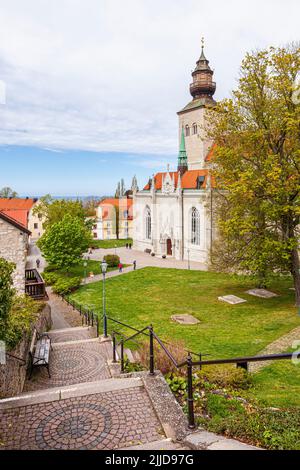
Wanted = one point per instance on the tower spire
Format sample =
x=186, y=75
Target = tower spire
x=182, y=157
x=203, y=85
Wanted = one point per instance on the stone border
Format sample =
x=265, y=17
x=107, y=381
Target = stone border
x=204, y=440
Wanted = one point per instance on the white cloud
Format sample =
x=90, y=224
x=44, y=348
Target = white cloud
x=109, y=75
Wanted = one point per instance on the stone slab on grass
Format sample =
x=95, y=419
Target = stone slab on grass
x=204, y=440
x=232, y=299
x=262, y=293
x=185, y=319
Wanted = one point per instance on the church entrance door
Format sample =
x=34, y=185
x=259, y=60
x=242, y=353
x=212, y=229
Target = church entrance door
x=169, y=247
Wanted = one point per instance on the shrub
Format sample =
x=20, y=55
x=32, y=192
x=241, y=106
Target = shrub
x=226, y=377
x=50, y=278
x=23, y=313
x=112, y=260
x=64, y=286
x=7, y=293
x=161, y=360
x=49, y=269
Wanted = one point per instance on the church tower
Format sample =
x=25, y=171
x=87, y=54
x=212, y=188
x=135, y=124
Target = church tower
x=192, y=116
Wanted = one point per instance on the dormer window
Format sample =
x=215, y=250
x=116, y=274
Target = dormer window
x=200, y=182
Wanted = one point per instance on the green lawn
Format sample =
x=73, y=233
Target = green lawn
x=153, y=295
x=278, y=385
x=78, y=270
x=106, y=244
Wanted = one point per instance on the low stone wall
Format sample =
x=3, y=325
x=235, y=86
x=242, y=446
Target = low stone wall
x=13, y=373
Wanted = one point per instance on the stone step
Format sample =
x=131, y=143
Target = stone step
x=164, y=444
x=71, y=391
x=67, y=330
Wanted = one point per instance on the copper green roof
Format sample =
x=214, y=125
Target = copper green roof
x=182, y=157
x=195, y=104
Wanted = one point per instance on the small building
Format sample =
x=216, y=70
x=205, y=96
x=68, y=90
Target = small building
x=13, y=247
x=114, y=218
x=22, y=210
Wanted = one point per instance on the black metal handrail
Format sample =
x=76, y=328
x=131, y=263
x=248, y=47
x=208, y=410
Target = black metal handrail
x=17, y=358
x=189, y=363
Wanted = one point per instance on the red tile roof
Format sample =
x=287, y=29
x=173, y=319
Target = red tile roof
x=16, y=204
x=188, y=180
x=122, y=203
x=21, y=216
x=14, y=222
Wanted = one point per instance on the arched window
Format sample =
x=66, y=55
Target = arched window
x=195, y=128
x=195, y=227
x=148, y=223
x=187, y=131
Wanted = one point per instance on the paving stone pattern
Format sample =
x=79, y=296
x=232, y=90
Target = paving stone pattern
x=104, y=421
x=71, y=364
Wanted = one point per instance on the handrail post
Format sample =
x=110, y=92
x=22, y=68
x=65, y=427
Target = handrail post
x=97, y=325
x=114, y=348
x=122, y=356
x=190, y=399
x=151, y=350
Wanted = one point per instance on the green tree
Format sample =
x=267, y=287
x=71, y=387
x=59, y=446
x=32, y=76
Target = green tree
x=7, y=293
x=64, y=242
x=53, y=210
x=7, y=192
x=256, y=165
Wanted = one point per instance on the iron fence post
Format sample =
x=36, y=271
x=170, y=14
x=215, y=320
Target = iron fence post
x=114, y=348
x=190, y=399
x=151, y=350
x=122, y=357
x=200, y=357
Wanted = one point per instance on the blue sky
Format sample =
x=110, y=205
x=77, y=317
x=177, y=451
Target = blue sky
x=89, y=90
x=71, y=172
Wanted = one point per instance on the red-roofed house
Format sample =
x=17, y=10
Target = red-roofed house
x=13, y=247
x=21, y=209
x=173, y=214
x=114, y=218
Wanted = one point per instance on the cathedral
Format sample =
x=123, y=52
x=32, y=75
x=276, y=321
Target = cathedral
x=173, y=213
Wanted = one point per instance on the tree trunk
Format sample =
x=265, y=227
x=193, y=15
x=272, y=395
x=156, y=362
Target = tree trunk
x=295, y=267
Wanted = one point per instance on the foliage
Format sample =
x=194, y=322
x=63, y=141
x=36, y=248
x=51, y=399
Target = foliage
x=222, y=405
x=7, y=293
x=112, y=260
x=50, y=278
x=23, y=313
x=106, y=244
x=132, y=366
x=256, y=166
x=162, y=362
x=64, y=242
x=7, y=192
x=54, y=210
x=64, y=286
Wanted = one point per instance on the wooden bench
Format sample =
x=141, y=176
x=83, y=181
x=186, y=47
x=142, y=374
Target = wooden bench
x=39, y=351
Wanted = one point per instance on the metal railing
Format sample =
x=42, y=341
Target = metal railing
x=34, y=284
x=148, y=331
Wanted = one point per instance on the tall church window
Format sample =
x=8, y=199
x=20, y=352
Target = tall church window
x=148, y=223
x=195, y=128
x=195, y=227
x=187, y=131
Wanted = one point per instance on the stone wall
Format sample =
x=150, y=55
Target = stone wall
x=13, y=247
x=13, y=373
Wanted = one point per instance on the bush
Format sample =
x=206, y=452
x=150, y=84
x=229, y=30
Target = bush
x=50, y=278
x=23, y=313
x=7, y=293
x=161, y=360
x=112, y=260
x=64, y=286
x=49, y=269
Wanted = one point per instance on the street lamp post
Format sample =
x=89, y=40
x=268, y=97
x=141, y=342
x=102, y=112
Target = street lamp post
x=188, y=252
x=115, y=249
x=104, y=271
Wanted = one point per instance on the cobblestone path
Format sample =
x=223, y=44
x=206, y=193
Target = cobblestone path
x=102, y=421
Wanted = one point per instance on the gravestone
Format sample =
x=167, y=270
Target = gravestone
x=185, y=319
x=232, y=299
x=262, y=293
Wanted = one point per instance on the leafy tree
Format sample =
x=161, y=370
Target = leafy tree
x=64, y=242
x=7, y=192
x=53, y=210
x=7, y=293
x=256, y=165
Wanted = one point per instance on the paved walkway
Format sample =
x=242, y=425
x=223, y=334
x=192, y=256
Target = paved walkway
x=279, y=346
